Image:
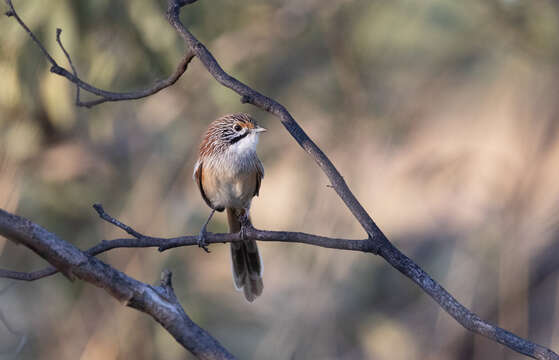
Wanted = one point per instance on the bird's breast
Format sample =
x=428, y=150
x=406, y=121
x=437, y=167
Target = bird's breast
x=227, y=186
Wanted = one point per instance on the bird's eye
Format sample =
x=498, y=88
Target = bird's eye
x=237, y=127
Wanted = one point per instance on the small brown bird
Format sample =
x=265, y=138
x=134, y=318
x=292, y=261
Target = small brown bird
x=228, y=173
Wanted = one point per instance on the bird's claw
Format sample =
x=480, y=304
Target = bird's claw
x=244, y=229
x=202, y=243
x=245, y=225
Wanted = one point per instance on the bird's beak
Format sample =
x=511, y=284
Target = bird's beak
x=259, y=129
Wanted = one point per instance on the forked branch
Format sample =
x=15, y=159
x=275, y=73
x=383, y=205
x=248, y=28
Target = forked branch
x=159, y=302
x=104, y=95
x=143, y=241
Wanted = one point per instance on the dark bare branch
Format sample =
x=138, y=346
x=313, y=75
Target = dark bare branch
x=12, y=13
x=105, y=96
x=74, y=71
x=103, y=215
x=162, y=244
x=468, y=319
x=158, y=301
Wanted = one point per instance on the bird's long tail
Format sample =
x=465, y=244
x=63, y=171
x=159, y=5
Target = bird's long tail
x=247, y=266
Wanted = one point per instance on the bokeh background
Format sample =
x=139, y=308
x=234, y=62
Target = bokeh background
x=441, y=115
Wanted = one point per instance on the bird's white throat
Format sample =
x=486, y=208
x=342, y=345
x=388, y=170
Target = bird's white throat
x=245, y=146
x=239, y=157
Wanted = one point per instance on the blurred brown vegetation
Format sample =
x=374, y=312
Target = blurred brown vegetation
x=442, y=116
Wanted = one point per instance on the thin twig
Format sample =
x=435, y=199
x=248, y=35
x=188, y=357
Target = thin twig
x=103, y=215
x=162, y=244
x=104, y=95
x=12, y=13
x=74, y=71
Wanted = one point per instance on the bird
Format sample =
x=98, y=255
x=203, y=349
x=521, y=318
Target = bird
x=228, y=173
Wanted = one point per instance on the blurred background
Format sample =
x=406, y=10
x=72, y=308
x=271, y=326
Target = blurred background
x=442, y=116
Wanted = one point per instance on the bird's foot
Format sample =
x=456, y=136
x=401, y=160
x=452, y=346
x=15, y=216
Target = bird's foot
x=202, y=243
x=243, y=233
x=245, y=227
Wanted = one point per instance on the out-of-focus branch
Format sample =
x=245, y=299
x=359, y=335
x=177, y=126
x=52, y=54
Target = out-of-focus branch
x=22, y=337
x=158, y=301
x=377, y=243
x=104, y=95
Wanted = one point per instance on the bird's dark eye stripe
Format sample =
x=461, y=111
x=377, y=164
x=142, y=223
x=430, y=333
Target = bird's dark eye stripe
x=235, y=139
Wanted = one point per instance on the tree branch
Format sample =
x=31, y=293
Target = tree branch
x=162, y=244
x=104, y=95
x=465, y=317
x=377, y=242
x=158, y=301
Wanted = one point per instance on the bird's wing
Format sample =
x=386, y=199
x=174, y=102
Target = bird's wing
x=197, y=176
x=259, y=176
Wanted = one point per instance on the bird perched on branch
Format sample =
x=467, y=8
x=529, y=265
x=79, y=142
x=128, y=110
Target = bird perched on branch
x=228, y=173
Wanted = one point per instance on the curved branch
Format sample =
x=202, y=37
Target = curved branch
x=104, y=95
x=74, y=71
x=158, y=301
